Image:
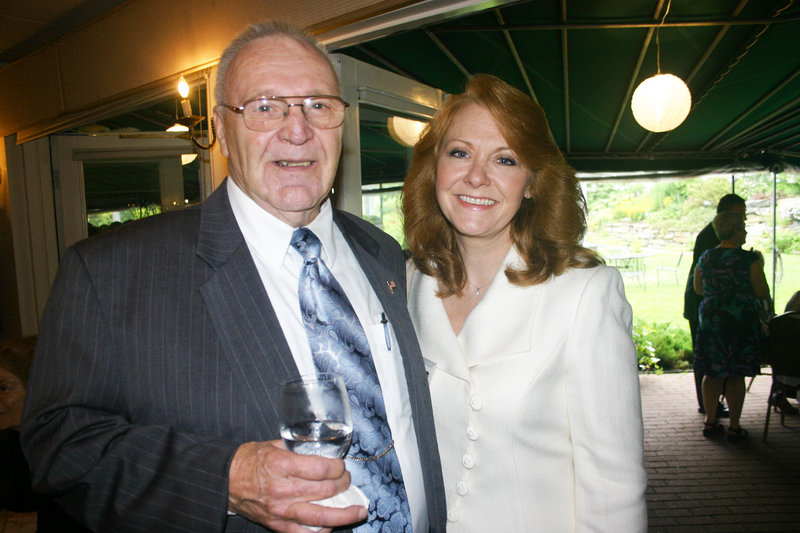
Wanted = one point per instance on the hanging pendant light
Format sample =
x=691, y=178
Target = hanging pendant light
x=662, y=102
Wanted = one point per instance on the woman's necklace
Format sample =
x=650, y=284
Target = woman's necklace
x=477, y=289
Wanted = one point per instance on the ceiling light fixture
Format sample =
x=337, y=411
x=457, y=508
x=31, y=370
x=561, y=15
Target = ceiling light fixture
x=662, y=102
x=178, y=128
x=189, y=120
x=404, y=130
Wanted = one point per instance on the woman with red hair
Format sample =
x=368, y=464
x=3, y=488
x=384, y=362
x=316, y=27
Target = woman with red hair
x=527, y=336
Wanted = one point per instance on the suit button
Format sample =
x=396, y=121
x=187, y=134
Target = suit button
x=467, y=461
x=461, y=488
x=476, y=403
x=472, y=433
x=452, y=516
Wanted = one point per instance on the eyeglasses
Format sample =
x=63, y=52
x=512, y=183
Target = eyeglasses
x=266, y=113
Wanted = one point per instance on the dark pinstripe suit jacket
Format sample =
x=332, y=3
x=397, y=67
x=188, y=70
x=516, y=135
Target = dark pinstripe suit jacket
x=159, y=353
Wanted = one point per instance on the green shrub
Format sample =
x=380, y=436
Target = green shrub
x=646, y=354
x=645, y=350
x=790, y=209
x=634, y=209
x=662, y=346
x=134, y=212
x=787, y=241
x=673, y=345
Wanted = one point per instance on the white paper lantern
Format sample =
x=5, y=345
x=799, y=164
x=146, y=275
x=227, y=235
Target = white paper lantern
x=404, y=130
x=661, y=103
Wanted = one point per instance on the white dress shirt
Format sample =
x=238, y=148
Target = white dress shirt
x=279, y=265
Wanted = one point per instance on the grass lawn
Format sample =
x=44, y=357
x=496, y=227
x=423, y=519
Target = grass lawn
x=658, y=295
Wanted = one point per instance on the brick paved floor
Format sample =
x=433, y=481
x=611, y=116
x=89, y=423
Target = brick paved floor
x=703, y=485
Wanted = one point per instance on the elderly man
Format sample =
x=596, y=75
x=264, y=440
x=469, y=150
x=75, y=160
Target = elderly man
x=153, y=399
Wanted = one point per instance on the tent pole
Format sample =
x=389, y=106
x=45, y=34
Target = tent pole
x=774, y=228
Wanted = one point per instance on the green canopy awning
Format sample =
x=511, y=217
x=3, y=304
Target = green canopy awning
x=582, y=60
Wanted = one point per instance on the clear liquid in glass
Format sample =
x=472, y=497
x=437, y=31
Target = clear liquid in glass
x=325, y=438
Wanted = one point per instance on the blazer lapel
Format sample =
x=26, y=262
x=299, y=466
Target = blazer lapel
x=507, y=336
x=434, y=330
x=243, y=317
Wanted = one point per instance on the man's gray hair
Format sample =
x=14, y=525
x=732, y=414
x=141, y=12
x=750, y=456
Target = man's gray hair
x=257, y=31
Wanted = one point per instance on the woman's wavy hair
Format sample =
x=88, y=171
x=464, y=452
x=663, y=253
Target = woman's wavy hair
x=548, y=228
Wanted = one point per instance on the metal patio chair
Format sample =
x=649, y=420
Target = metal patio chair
x=784, y=356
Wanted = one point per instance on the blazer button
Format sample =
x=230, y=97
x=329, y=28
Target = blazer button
x=472, y=433
x=476, y=403
x=467, y=461
x=461, y=488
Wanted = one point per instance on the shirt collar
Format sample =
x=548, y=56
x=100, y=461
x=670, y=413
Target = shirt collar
x=265, y=234
x=323, y=228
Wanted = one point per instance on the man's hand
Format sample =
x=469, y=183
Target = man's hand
x=273, y=486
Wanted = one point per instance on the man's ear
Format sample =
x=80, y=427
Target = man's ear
x=219, y=128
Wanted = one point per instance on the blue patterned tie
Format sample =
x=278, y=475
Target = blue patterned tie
x=339, y=344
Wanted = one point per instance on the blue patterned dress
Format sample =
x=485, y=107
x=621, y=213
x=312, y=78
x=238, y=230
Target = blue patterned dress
x=729, y=337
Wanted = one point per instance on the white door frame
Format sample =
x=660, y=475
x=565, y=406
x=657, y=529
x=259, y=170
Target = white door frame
x=70, y=151
x=363, y=83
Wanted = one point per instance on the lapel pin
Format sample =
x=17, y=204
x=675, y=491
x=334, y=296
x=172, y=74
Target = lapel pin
x=392, y=286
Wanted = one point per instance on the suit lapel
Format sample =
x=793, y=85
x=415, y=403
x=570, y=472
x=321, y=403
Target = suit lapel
x=385, y=273
x=243, y=317
x=245, y=321
x=368, y=254
x=390, y=289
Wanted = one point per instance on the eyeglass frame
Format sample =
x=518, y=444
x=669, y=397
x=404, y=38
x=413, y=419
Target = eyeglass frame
x=239, y=110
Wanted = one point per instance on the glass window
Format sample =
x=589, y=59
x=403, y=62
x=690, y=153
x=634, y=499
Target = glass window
x=387, y=140
x=119, y=192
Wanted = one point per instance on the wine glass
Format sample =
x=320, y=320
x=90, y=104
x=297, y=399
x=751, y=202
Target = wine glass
x=315, y=415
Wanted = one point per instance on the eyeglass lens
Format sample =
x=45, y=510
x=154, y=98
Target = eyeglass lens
x=264, y=114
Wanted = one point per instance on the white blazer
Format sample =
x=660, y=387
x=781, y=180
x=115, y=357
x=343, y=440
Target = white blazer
x=536, y=404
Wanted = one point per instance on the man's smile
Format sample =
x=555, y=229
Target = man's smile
x=285, y=163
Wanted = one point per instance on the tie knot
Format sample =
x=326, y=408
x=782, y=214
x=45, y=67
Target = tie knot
x=306, y=243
